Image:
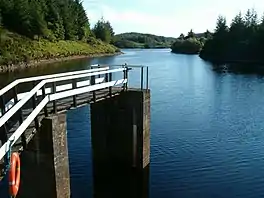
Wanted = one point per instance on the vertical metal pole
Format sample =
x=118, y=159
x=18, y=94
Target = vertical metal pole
x=142, y=76
x=2, y=104
x=99, y=76
x=43, y=96
x=74, y=85
x=106, y=80
x=126, y=72
x=147, y=81
x=124, y=77
x=20, y=118
x=54, y=102
x=34, y=98
x=93, y=83
x=110, y=88
x=3, y=130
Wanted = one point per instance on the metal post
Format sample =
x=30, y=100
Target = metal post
x=3, y=130
x=126, y=77
x=99, y=76
x=43, y=96
x=2, y=104
x=93, y=83
x=142, y=76
x=54, y=102
x=20, y=118
x=34, y=98
x=147, y=80
x=110, y=88
x=124, y=86
x=74, y=85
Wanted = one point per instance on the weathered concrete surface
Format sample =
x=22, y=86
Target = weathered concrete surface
x=44, y=164
x=121, y=129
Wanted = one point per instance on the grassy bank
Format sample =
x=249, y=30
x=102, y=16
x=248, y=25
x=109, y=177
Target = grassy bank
x=17, y=51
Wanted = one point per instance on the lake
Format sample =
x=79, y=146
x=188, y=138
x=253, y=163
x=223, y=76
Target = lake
x=207, y=129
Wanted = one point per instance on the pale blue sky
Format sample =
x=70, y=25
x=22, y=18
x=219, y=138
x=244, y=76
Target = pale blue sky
x=166, y=17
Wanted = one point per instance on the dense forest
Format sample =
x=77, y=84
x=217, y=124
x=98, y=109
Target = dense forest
x=242, y=41
x=44, y=29
x=138, y=40
x=191, y=43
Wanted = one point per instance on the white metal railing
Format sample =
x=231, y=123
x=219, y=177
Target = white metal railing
x=11, y=102
x=56, y=93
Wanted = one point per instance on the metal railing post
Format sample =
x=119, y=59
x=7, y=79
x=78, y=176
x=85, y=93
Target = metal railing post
x=74, y=86
x=142, y=76
x=99, y=76
x=110, y=88
x=20, y=118
x=34, y=98
x=93, y=83
x=54, y=102
x=147, y=80
x=3, y=130
x=2, y=105
x=43, y=96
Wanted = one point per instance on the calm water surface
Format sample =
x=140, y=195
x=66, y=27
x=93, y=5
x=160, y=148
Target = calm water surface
x=207, y=129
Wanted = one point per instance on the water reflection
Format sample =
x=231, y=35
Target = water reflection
x=239, y=69
x=111, y=180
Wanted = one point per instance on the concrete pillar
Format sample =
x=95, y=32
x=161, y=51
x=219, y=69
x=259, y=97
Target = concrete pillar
x=120, y=129
x=44, y=164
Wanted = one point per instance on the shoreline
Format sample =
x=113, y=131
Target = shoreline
x=35, y=63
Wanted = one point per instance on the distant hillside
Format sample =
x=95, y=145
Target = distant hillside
x=138, y=40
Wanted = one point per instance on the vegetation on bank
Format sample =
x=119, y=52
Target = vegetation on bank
x=16, y=48
x=241, y=42
x=138, y=40
x=190, y=44
x=45, y=29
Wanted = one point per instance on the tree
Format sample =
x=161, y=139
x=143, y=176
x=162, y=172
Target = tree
x=102, y=31
x=181, y=36
x=207, y=34
x=191, y=34
x=221, y=26
x=54, y=20
x=82, y=21
x=38, y=23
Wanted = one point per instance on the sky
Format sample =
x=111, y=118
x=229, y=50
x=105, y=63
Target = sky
x=166, y=17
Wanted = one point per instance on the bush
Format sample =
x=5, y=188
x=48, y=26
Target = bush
x=189, y=46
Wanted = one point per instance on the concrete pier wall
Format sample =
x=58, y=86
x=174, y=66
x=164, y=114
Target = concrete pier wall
x=44, y=164
x=120, y=128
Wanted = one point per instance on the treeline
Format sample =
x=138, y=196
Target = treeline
x=242, y=41
x=138, y=40
x=27, y=27
x=191, y=43
x=50, y=19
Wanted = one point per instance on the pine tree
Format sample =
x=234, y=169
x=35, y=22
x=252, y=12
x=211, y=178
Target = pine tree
x=191, y=34
x=38, y=23
x=181, y=36
x=102, y=31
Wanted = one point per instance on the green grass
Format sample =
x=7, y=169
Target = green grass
x=15, y=48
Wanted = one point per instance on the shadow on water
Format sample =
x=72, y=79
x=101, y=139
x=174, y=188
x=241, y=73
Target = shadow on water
x=66, y=66
x=110, y=180
x=239, y=69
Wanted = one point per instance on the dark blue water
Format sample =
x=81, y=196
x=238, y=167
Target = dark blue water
x=207, y=129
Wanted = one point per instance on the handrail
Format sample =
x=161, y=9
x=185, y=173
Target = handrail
x=34, y=91
x=24, y=80
x=48, y=98
x=69, y=87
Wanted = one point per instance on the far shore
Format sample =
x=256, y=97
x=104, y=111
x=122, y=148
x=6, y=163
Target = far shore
x=35, y=63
